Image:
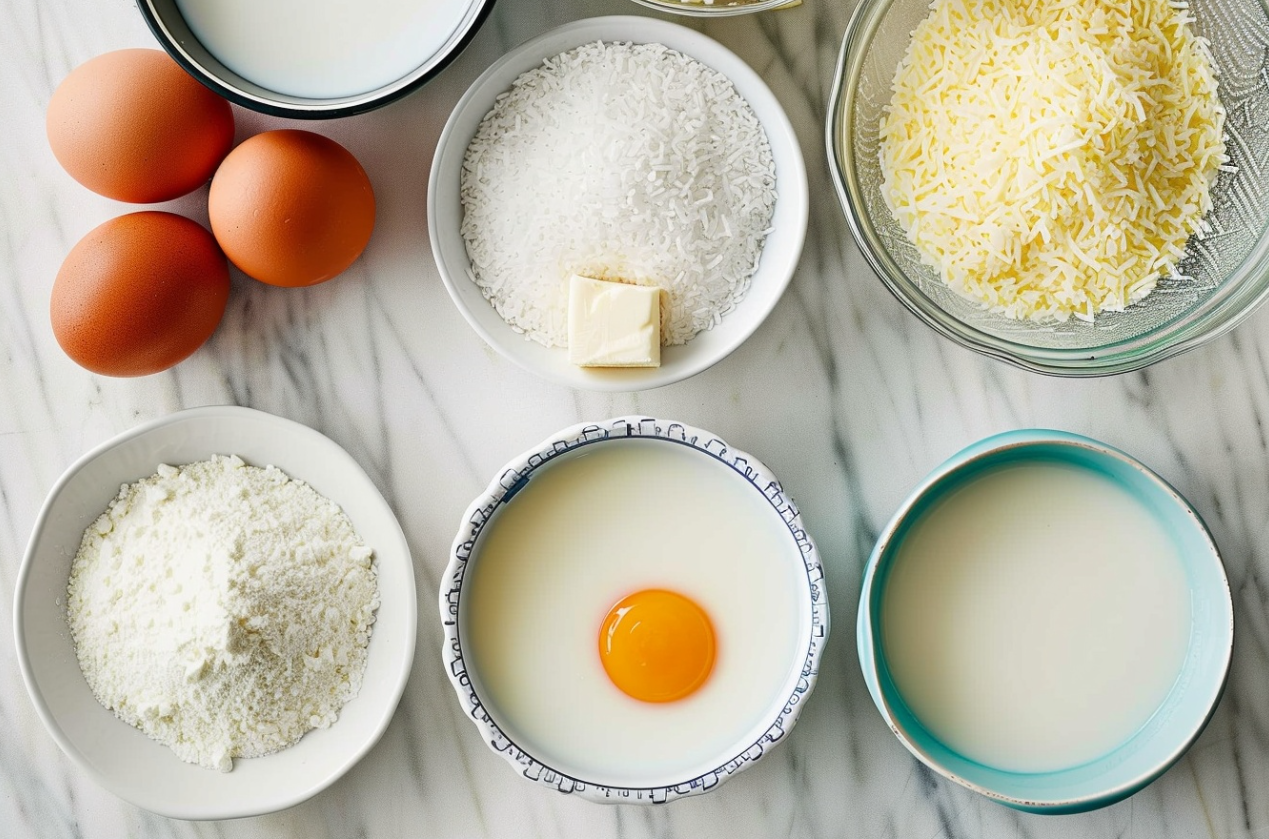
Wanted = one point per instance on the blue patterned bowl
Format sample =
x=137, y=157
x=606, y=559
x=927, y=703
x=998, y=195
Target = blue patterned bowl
x=1176, y=724
x=660, y=786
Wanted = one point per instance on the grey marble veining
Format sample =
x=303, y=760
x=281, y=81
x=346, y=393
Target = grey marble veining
x=842, y=394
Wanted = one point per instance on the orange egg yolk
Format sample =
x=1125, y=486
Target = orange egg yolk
x=657, y=646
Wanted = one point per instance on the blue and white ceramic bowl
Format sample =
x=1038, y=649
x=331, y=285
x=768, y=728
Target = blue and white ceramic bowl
x=1184, y=712
x=802, y=668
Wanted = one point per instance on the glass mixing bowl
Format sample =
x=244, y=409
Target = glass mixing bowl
x=1222, y=279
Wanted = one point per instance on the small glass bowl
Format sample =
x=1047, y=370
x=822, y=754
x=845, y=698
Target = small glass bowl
x=717, y=8
x=1224, y=277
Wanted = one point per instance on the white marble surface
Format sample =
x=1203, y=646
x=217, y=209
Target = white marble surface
x=865, y=398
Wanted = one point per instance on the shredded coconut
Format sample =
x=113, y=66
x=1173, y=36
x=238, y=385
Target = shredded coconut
x=1052, y=157
x=617, y=161
x=223, y=609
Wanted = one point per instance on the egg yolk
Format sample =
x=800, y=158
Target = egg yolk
x=657, y=646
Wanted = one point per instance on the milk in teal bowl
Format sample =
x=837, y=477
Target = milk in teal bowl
x=1046, y=622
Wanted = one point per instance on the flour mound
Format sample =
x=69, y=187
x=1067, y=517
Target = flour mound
x=223, y=609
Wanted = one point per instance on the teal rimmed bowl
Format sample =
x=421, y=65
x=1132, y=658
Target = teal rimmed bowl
x=1184, y=712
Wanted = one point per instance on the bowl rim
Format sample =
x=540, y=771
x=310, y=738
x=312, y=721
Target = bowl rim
x=508, y=481
x=791, y=186
x=869, y=642
x=1237, y=298
x=70, y=749
x=314, y=108
x=727, y=9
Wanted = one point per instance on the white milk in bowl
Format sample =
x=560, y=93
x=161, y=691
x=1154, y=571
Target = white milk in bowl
x=323, y=48
x=635, y=532
x=1035, y=617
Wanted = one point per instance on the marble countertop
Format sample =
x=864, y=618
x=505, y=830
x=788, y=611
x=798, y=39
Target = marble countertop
x=844, y=395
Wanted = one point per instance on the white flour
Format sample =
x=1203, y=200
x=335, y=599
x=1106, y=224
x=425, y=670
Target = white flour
x=223, y=609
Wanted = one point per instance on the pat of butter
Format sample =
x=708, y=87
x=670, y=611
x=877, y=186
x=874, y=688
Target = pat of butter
x=613, y=324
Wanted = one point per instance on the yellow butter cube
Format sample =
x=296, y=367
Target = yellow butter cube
x=613, y=324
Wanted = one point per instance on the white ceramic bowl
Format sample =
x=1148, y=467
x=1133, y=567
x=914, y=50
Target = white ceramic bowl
x=120, y=757
x=780, y=254
x=766, y=731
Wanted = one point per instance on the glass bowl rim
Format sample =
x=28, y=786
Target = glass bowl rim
x=729, y=8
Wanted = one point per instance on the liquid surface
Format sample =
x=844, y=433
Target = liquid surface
x=323, y=48
x=657, y=645
x=587, y=531
x=1036, y=617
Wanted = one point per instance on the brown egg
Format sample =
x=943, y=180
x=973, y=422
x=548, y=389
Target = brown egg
x=291, y=208
x=133, y=126
x=139, y=294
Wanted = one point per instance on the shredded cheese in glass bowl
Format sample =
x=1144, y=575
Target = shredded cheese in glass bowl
x=1118, y=217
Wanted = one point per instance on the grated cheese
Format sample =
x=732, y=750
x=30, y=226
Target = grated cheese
x=1052, y=157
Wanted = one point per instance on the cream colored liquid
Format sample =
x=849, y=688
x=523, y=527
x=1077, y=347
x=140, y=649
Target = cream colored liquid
x=323, y=48
x=1036, y=617
x=584, y=533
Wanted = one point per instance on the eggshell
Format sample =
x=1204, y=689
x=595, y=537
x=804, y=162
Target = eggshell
x=133, y=126
x=139, y=294
x=291, y=208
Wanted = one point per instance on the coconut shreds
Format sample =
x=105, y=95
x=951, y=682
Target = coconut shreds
x=617, y=161
x=1052, y=157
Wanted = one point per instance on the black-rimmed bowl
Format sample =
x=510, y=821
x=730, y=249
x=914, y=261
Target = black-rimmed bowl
x=175, y=36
